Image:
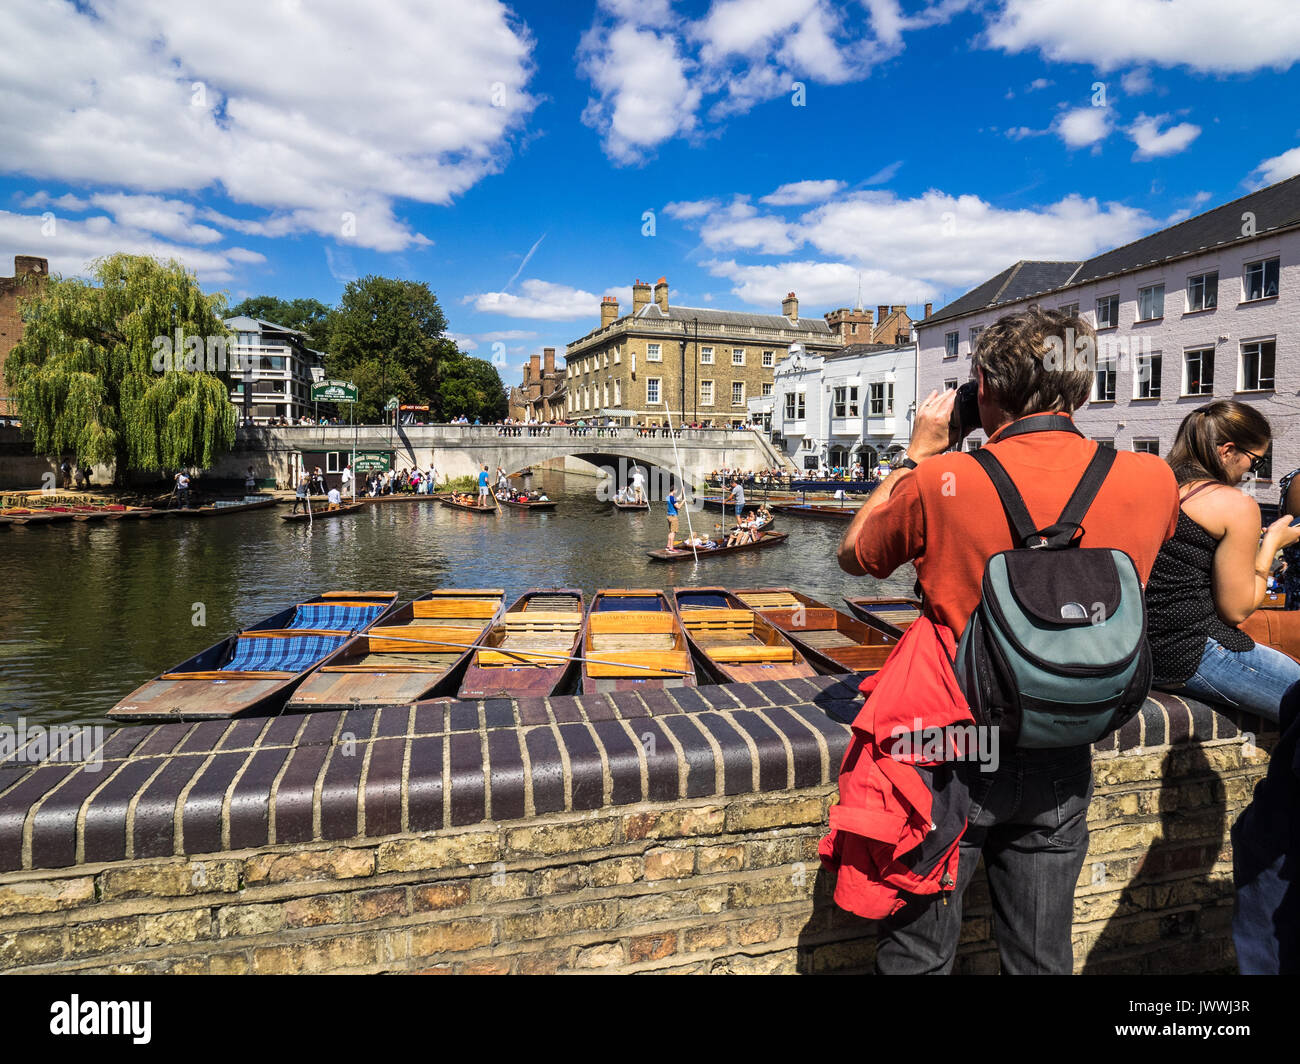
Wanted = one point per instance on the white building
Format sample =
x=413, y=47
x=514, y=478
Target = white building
x=281, y=372
x=1206, y=309
x=839, y=407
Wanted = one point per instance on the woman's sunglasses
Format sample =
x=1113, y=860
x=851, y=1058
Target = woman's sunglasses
x=1256, y=460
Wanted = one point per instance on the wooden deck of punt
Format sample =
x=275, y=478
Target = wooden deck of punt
x=321, y=515
x=211, y=510
x=767, y=539
x=630, y=505
x=475, y=509
x=890, y=615
x=399, y=661
x=830, y=639
x=739, y=644
x=200, y=689
x=547, y=505
x=531, y=650
x=821, y=513
x=21, y=515
x=633, y=639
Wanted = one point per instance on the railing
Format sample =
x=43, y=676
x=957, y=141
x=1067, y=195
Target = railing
x=450, y=435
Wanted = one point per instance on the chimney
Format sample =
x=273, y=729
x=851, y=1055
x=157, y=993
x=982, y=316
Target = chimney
x=661, y=294
x=534, y=368
x=882, y=312
x=900, y=308
x=30, y=264
x=790, y=307
x=929, y=309
x=548, y=361
x=608, y=311
x=640, y=295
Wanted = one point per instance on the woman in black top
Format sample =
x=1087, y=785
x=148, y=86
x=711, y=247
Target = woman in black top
x=1213, y=573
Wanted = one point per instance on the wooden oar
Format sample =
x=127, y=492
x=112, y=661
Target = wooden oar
x=538, y=654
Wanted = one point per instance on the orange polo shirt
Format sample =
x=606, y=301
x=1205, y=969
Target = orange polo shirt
x=945, y=516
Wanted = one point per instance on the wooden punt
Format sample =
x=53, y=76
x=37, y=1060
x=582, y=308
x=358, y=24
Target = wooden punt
x=739, y=645
x=817, y=511
x=531, y=651
x=830, y=639
x=474, y=509
x=225, y=508
x=82, y=513
x=634, y=639
x=630, y=505
x=238, y=676
x=321, y=515
x=22, y=515
x=765, y=539
x=417, y=651
x=548, y=505
x=890, y=615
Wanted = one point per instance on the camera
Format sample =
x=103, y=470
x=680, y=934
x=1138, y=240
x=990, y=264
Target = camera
x=965, y=412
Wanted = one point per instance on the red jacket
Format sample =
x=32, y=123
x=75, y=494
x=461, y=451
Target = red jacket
x=900, y=816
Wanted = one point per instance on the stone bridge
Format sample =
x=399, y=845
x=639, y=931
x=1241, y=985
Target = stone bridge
x=459, y=450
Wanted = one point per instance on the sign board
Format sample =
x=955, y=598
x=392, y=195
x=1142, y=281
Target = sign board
x=334, y=392
x=392, y=403
x=373, y=462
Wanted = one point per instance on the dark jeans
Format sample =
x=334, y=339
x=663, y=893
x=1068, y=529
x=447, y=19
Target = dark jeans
x=1030, y=821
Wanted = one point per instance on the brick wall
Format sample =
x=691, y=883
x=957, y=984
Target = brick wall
x=567, y=834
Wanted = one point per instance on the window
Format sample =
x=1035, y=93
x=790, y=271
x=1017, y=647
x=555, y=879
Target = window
x=789, y=402
x=1146, y=376
x=1070, y=310
x=706, y=398
x=889, y=398
x=767, y=388
x=618, y=356
x=607, y=393
x=1108, y=312
x=618, y=393
x=974, y=335
x=769, y=359
x=846, y=401
x=706, y=356
x=737, y=393
x=1198, y=371
x=1151, y=302
x=950, y=385
x=1147, y=446
x=737, y=356
x=974, y=445
x=332, y=462
x=653, y=353
x=1257, y=366
x=1103, y=388
x=876, y=397
x=1109, y=442
x=950, y=345
x=1261, y=279
x=1265, y=471
x=652, y=391
x=802, y=398
x=1203, y=292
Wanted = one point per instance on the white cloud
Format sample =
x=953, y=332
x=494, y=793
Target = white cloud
x=1152, y=143
x=1084, y=125
x=654, y=71
x=1021, y=132
x=67, y=202
x=539, y=299
x=258, y=100
x=70, y=244
x=1205, y=35
x=1137, y=82
x=689, y=209
x=741, y=227
x=885, y=175
x=1278, y=168
x=799, y=192
x=1039, y=83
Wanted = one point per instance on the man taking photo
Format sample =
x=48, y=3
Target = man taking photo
x=941, y=512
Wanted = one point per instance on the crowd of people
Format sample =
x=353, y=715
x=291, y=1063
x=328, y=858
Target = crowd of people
x=749, y=527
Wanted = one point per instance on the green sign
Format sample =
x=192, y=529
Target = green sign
x=392, y=404
x=334, y=392
x=373, y=462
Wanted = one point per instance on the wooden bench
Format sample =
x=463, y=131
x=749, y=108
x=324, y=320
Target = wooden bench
x=660, y=663
x=413, y=638
x=631, y=621
x=751, y=654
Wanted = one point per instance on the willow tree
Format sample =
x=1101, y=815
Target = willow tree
x=84, y=374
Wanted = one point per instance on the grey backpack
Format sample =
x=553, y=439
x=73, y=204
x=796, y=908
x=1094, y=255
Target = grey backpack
x=1056, y=653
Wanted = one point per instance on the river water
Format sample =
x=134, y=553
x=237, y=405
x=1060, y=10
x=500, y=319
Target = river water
x=88, y=611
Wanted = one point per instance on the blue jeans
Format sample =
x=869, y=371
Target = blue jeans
x=1030, y=821
x=1253, y=680
x=740, y=508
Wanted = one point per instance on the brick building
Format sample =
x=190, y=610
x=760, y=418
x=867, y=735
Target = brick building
x=29, y=271
x=631, y=365
x=542, y=395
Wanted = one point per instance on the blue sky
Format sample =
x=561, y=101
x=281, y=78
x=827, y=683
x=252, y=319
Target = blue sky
x=507, y=154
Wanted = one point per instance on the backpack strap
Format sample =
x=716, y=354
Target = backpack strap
x=1069, y=523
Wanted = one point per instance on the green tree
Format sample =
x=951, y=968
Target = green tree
x=310, y=316
x=472, y=387
x=387, y=337
x=83, y=374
